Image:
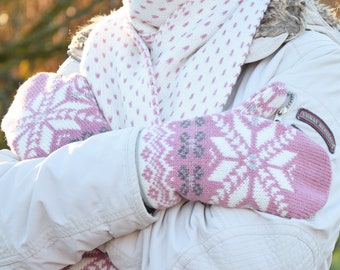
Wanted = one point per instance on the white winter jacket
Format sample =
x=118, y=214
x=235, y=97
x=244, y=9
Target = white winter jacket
x=87, y=195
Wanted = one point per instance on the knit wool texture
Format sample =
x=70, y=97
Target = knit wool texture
x=93, y=260
x=155, y=61
x=49, y=112
x=235, y=160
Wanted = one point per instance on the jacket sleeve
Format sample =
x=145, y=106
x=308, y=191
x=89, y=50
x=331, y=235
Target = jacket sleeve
x=55, y=208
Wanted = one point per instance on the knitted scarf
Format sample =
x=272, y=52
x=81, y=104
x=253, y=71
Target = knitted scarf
x=152, y=61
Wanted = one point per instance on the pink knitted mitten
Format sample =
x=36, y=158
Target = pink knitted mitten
x=235, y=160
x=49, y=112
x=93, y=260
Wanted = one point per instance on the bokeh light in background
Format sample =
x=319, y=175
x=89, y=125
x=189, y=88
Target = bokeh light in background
x=34, y=35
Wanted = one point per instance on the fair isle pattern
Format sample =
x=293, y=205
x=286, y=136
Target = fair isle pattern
x=265, y=103
x=235, y=160
x=93, y=260
x=154, y=61
x=154, y=168
x=49, y=112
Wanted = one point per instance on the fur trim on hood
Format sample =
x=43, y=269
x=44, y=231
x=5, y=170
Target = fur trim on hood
x=282, y=16
x=288, y=17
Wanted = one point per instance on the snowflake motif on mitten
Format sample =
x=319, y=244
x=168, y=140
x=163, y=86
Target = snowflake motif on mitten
x=49, y=112
x=256, y=163
x=93, y=260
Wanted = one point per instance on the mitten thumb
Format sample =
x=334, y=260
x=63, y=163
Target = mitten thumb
x=265, y=102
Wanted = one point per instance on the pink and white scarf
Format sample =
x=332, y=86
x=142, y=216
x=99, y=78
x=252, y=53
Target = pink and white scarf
x=155, y=60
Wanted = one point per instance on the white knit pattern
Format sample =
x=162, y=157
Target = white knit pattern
x=184, y=65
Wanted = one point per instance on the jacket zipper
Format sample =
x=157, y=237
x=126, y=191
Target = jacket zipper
x=288, y=104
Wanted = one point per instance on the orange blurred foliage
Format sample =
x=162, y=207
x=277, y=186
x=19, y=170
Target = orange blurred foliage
x=17, y=17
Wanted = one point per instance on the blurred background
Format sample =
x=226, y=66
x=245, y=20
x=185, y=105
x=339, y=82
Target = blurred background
x=34, y=35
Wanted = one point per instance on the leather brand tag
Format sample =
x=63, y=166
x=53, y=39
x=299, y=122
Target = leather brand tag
x=319, y=125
